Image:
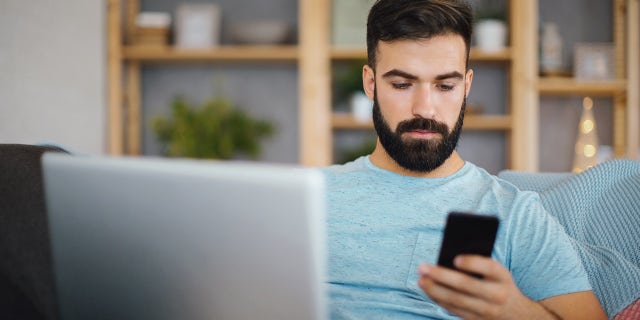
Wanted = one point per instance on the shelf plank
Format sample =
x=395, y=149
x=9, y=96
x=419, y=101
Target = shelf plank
x=348, y=53
x=476, y=55
x=487, y=122
x=345, y=121
x=483, y=56
x=222, y=53
x=570, y=86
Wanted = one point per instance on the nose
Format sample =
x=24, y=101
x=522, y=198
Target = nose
x=424, y=105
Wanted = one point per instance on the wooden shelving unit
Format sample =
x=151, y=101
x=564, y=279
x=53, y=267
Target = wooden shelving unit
x=125, y=62
x=620, y=89
x=313, y=55
x=568, y=86
x=221, y=54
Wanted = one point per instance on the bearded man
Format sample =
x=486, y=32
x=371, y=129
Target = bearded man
x=386, y=211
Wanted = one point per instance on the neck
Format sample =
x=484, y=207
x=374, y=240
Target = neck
x=381, y=159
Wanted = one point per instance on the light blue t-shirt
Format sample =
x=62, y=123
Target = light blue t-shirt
x=382, y=225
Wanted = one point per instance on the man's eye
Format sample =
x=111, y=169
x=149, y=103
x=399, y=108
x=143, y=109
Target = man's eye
x=446, y=87
x=401, y=86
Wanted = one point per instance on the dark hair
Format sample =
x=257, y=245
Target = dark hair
x=416, y=19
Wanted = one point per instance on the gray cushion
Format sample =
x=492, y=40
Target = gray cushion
x=600, y=209
x=26, y=277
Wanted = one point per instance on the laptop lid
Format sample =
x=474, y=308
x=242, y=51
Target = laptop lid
x=143, y=238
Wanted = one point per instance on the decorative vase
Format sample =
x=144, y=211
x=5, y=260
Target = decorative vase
x=361, y=107
x=550, y=50
x=491, y=35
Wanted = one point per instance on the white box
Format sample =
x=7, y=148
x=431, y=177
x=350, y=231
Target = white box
x=198, y=26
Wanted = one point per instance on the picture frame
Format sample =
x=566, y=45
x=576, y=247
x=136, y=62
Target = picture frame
x=198, y=25
x=594, y=61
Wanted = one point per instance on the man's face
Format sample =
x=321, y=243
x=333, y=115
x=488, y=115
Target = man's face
x=419, y=90
x=418, y=155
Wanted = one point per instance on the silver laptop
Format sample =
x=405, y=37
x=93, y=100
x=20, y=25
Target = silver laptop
x=143, y=238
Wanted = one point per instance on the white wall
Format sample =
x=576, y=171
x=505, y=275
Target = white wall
x=52, y=73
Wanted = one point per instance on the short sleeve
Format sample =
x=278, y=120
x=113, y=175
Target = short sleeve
x=543, y=261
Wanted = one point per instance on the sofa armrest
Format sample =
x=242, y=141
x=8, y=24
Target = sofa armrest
x=537, y=182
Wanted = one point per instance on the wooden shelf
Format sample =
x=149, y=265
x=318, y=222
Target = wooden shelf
x=570, y=86
x=314, y=54
x=354, y=53
x=344, y=121
x=487, y=122
x=222, y=53
x=348, y=53
x=482, y=56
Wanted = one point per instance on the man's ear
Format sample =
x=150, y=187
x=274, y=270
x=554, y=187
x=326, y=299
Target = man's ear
x=368, y=81
x=468, y=79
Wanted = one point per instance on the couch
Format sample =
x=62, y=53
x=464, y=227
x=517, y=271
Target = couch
x=26, y=276
x=600, y=210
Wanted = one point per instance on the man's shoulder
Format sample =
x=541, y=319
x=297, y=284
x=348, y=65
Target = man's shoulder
x=357, y=165
x=478, y=175
x=502, y=193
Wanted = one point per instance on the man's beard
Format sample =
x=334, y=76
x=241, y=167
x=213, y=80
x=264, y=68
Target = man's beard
x=417, y=155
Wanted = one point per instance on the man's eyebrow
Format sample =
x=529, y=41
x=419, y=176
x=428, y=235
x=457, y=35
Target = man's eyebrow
x=449, y=75
x=399, y=73
x=409, y=76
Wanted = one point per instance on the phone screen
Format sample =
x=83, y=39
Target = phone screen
x=469, y=234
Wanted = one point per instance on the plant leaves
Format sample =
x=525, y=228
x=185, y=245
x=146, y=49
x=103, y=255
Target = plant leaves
x=215, y=130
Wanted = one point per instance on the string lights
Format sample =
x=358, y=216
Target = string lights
x=586, y=149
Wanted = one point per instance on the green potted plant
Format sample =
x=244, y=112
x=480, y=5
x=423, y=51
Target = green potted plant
x=347, y=79
x=215, y=130
x=347, y=87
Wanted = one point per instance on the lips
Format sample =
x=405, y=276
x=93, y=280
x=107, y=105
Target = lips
x=422, y=134
x=423, y=131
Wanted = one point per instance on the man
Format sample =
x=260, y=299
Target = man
x=387, y=210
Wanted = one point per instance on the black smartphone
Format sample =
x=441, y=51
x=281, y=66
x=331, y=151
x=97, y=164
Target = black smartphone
x=467, y=233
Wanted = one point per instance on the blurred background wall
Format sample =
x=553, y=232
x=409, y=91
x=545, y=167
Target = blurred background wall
x=52, y=73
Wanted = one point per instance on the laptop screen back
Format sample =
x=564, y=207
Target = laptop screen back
x=141, y=238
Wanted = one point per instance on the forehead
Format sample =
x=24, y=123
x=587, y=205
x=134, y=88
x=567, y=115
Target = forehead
x=444, y=53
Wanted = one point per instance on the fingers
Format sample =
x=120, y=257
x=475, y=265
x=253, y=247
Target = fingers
x=460, y=304
x=468, y=297
x=487, y=267
x=455, y=282
x=491, y=288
